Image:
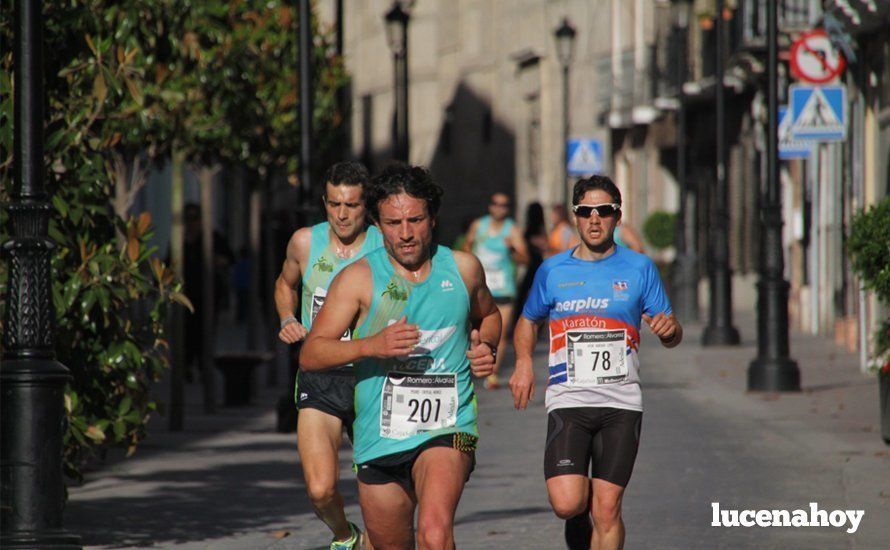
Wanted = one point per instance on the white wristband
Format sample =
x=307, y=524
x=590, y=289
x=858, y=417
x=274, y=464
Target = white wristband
x=288, y=319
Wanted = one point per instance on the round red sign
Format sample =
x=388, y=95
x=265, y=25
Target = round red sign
x=815, y=59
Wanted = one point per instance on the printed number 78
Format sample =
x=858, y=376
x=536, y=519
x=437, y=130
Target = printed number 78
x=606, y=357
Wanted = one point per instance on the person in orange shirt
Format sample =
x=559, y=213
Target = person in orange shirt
x=563, y=235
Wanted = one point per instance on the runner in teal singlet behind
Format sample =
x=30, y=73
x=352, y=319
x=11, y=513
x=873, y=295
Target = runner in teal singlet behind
x=423, y=321
x=499, y=245
x=314, y=256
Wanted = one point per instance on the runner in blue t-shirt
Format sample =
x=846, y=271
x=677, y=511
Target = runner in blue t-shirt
x=593, y=296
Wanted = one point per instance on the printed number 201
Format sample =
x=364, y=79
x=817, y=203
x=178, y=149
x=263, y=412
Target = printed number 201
x=424, y=409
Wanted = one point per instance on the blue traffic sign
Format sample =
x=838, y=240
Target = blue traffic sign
x=790, y=148
x=819, y=113
x=584, y=156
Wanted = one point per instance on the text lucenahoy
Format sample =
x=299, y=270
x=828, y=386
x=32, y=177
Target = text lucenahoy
x=814, y=517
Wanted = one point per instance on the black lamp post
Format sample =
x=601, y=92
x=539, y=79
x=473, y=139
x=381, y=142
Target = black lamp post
x=565, y=48
x=33, y=382
x=720, y=331
x=305, y=46
x=686, y=266
x=772, y=369
x=397, y=38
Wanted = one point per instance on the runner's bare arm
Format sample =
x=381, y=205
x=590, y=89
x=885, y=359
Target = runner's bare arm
x=667, y=328
x=484, y=315
x=347, y=300
x=522, y=383
x=518, y=247
x=470, y=237
x=285, y=300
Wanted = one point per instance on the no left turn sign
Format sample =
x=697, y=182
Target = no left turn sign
x=814, y=58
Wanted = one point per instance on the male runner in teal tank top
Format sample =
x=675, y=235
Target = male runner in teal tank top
x=424, y=322
x=314, y=256
x=499, y=245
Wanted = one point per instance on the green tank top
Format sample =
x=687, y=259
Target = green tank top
x=324, y=264
x=403, y=402
x=494, y=254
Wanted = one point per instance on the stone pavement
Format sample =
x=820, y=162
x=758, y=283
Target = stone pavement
x=231, y=481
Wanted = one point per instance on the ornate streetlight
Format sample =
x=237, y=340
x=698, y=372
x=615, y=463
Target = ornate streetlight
x=397, y=37
x=720, y=331
x=773, y=369
x=565, y=49
x=686, y=265
x=32, y=493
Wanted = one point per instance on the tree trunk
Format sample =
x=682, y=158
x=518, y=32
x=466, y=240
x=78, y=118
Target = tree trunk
x=208, y=291
x=177, y=389
x=255, y=311
x=270, y=244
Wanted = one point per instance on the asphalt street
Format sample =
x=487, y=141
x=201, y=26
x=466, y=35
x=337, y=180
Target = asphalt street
x=231, y=481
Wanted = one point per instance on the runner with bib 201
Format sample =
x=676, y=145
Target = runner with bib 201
x=594, y=297
x=325, y=400
x=423, y=322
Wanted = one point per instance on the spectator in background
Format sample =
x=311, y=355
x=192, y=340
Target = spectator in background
x=563, y=235
x=193, y=255
x=627, y=236
x=241, y=283
x=535, y=235
x=462, y=237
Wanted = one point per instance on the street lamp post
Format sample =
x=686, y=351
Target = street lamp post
x=720, y=331
x=306, y=107
x=772, y=369
x=565, y=46
x=687, y=257
x=397, y=37
x=33, y=382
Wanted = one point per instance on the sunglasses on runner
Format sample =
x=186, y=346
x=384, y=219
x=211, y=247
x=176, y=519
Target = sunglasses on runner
x=602, y=210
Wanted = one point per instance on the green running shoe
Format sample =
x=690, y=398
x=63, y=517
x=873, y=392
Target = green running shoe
x=352, y=543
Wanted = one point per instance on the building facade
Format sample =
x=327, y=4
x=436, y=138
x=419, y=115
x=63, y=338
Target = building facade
x=820, y=194
x=486, y=97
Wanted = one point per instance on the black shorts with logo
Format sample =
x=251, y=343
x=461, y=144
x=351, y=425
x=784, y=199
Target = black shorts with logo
x=396, y=468
x=331, y=392
x=600, y=442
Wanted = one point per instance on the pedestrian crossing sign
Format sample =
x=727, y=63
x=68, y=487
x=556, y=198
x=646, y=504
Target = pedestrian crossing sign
x=819, y=113
x=790, y=148
x=584, y=157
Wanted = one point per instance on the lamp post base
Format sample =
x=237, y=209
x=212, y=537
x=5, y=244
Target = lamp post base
x=56, y=540
x=720, y=336
x=685, y=288
x=778, y=374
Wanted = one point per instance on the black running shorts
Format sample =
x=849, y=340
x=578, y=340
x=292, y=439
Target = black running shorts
x=331, y=392
x=599, y=442
x=396, y=468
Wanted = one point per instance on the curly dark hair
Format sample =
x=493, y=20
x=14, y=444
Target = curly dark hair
x=415, y=181
x=347, y=172
x=604, y=183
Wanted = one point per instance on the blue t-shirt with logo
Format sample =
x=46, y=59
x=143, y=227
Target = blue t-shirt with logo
x=594, y=309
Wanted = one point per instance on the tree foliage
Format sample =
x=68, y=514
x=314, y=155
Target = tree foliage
x=136, y=79
x=869, y=248
x=659, y=229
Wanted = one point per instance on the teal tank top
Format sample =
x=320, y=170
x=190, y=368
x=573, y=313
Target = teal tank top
x=324, y=264
x=616, y=236
x=403, y=402
x=494, y=254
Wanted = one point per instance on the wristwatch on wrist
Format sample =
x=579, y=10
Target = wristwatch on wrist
x=288, y=319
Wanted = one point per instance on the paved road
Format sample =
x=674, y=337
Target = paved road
x=230, y=481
